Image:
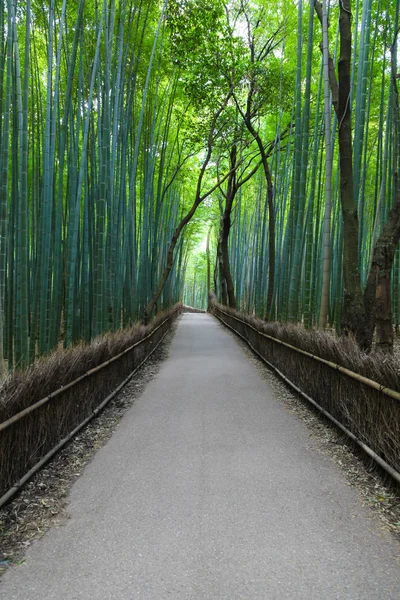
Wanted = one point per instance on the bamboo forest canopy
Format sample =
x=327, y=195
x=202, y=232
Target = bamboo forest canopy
x=154, y=150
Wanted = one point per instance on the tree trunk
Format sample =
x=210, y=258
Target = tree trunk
x=208, y=269
x=362, y=312
x=227, y=286
x=168, y=267
x=271, y=238
x=379, y=302
x=221, y=268
x=230, y=290
x=326, y=269
x=194, y=290
x=215, y=278
x=377, y=295
x=271, y=216
x=353, y=317
x=383, y=321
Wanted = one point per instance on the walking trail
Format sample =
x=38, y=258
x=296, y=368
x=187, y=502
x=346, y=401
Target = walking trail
x=210, y=489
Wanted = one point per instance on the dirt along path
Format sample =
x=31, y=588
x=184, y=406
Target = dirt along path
x=210, y=489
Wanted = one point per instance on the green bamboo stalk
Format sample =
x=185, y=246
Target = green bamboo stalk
x=72, y=251
x=326, y=277
x=298, y=202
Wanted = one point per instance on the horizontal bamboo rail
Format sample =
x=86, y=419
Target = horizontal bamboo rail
x=351, y=375
x=15, y=419
x=365, y=380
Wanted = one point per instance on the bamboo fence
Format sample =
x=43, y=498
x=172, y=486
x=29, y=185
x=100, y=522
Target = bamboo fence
x=367, y=411
x=31, y=437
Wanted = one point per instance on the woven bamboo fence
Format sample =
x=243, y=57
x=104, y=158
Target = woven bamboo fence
x=370, y=411
x=29, y=435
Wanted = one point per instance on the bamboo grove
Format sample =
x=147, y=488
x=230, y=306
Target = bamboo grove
x=152, y=150
x=293, y=91
x=87, y=194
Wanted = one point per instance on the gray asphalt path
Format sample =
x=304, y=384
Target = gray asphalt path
x=210, y=489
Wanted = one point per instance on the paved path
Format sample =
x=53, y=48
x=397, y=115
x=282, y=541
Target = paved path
x=210, y=489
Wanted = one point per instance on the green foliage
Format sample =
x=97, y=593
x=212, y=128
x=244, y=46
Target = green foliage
x=105, y=116
x=202, y=49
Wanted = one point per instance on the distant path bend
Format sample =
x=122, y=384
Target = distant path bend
x=210, y=490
